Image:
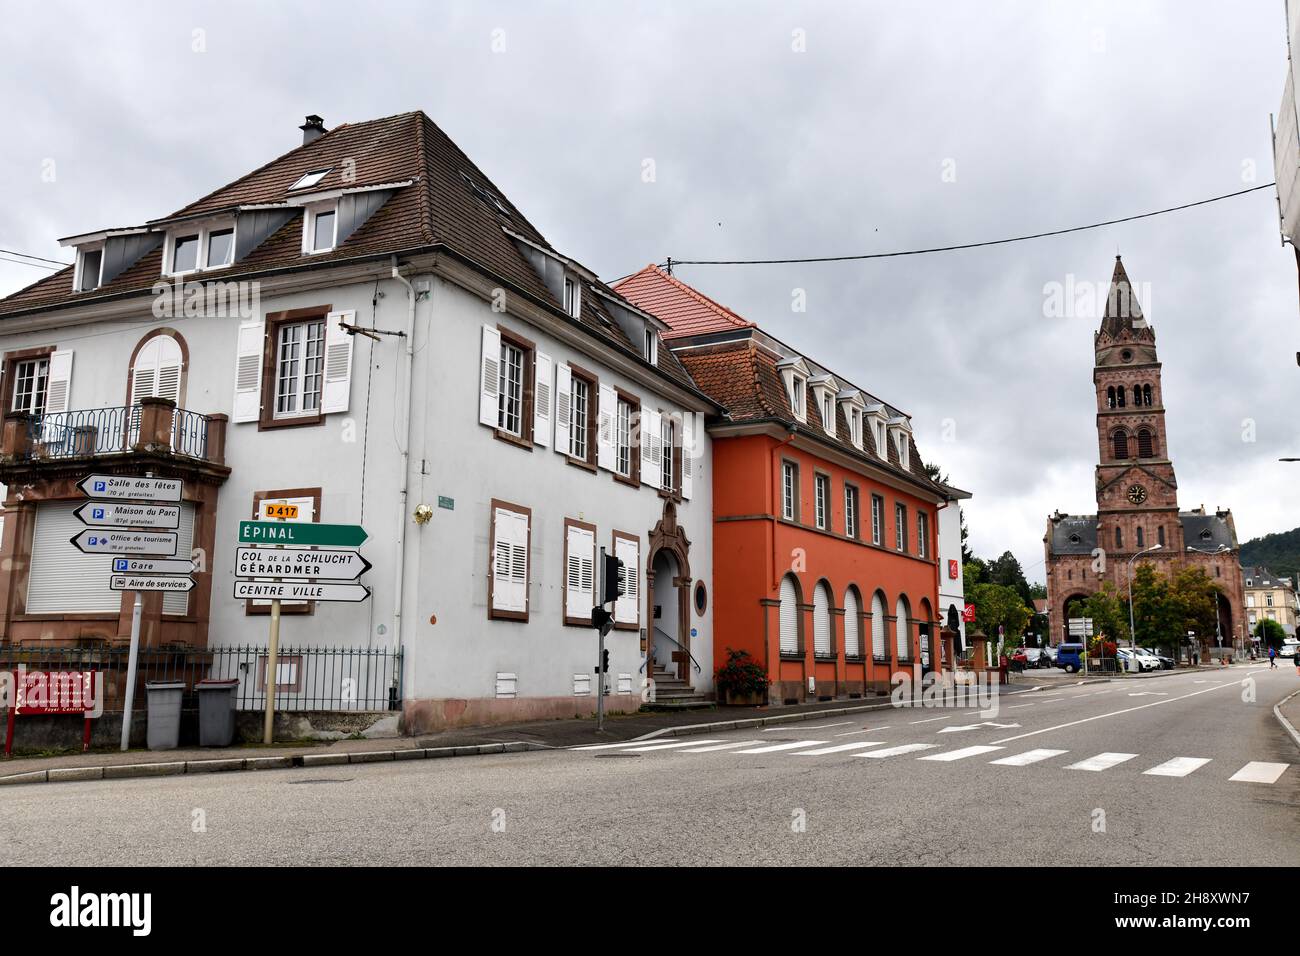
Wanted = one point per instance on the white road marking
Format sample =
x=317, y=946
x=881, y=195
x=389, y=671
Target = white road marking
x=1101, y=761
x=987, y=723
x=773, y=748
x=625, y=743
x=1115, y=713
x=1014, y=706
x=1028, y=757
x=842, y=723
x=960, y=754
x=1150, y=693
x=895, y=751
x=838, y=748
x=680, y=743
x=1259, y=772
x=929, y=719
x=864, y=730
x=1178, y=767
x=730, y=746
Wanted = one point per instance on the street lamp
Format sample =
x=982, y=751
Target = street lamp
x=1132, y=638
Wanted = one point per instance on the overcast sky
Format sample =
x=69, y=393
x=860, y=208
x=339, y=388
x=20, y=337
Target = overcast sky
x=777, y=131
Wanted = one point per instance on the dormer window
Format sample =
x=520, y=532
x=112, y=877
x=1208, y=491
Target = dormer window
x=900, y=431
x=825, y=388
x=794, y=373
x=311, y=179
x=221, y=248
x=203, y=247
x=320, y=228
x=89, y=268
x=855, y=426
x=185, y=253
x=798, y=388
x=651, y=346
x=572, y=297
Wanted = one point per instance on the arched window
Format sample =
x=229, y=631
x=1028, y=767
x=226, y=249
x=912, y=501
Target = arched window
x=789, y=615
x=1140, y=542
x=1160, y=535
x=852, y=623
x=903, y=628
x=879, y=647
x=1110, y=397
x=822, y=643
x=1137, y=396
x=1121, y=444
x=1146, y=394
x=1119, y=539
x=1119, y=395
x=156, y=368
x=1146, y=448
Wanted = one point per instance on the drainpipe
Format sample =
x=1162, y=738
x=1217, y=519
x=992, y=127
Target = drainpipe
x=408, y=363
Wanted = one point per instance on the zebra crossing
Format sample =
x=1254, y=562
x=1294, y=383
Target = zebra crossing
x=1255, y=771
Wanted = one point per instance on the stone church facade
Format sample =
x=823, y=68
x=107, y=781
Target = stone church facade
x=1136, y=488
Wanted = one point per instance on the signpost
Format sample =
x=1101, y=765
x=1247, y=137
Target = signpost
x=129, y=506
x=287, y=553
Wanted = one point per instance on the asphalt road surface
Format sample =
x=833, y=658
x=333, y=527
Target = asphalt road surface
x=1178, y=770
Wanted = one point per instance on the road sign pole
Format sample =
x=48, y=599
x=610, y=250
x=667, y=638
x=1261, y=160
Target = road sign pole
x=272, y=673
x=132, y=659
x=600, y=655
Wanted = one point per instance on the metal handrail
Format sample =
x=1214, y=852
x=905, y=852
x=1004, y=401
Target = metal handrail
x=698, y=668
x=99, y=431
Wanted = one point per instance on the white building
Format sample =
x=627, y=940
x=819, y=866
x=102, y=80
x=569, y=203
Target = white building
x=952, y=585
x=369, y=329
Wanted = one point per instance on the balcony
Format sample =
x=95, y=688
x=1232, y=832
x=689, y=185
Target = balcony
x=153, y=433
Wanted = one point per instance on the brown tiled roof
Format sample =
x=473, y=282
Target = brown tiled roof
x=439, y=208
x=686, y=310
x=744, y=379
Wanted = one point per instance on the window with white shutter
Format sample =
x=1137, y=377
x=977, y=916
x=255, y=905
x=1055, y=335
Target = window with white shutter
x=627, y=609
x=879, y=642
x=606, y=437
x=579, y=571
x=542, y=399
x=155, y=373
x=59, y=386
x=508, y=581
x=338, y=362
x=249, y=348
x=689, y=438
x=903, y=628
x=563, y=406
x=852, y=624
x=651, y=448
x=789, y=616
x=822, y=644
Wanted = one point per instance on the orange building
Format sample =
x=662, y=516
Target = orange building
x=825, y=521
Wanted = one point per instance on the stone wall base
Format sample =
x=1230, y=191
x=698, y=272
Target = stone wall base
x=432, y=715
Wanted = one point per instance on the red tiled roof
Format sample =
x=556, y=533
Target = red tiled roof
x=687, y=311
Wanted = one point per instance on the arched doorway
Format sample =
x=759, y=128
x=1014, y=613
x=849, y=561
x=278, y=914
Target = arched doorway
x=1071, y=607
x=668, y=573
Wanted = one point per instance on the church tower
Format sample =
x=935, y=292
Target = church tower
x=1137, y=493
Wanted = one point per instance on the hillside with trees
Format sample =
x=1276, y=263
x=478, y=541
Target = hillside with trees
x=1280, y=552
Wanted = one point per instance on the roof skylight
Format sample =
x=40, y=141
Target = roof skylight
x=311, y=178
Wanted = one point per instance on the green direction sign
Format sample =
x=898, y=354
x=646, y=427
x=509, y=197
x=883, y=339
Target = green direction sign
x=301, y=533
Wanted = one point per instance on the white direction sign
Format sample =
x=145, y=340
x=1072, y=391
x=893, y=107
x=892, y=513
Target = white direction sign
x=152, y=566
x=151, y=582
x=102, y=514
x=130, y=487
x=299, y=591
x=337, y=565
x=95, y=541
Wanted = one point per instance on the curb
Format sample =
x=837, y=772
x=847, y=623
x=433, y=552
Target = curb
x=1286, y=724
x=232, y=764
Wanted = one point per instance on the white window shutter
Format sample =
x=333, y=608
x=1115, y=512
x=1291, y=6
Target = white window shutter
x=606, y=452
x=248, y=372
x=59, y=385
x=489, y=378
x=627, y=608
x=563, y=399
x=651, y=447
x=688, y=453
x=338, y=363
x=542, y=400
x=510, y=561
x=579, y=572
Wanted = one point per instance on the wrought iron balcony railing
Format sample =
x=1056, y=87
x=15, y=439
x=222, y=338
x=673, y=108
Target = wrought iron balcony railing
x=153, y=426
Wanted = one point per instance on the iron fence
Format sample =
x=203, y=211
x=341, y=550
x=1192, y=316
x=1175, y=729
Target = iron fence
x=102, y=431
x=307, y=678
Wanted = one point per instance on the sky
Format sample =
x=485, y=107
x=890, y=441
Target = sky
x=632, y=132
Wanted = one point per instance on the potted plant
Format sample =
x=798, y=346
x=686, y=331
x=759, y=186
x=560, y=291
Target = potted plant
x=741, y=681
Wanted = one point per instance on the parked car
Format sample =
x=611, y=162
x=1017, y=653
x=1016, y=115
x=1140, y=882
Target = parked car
x=1030, y=657
x=1131, y=660
x=1070, y=656
x=1290, y=647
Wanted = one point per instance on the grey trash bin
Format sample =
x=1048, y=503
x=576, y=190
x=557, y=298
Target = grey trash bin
x=216, y=712
x=165, y=713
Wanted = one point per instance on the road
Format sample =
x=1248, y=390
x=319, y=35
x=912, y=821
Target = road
x=904, y=786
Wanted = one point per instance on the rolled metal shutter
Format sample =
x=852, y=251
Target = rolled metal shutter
x=789, y=617
x=179, y=602
x=852, y=632
x=62, y=579
x=878, y=648
x=902, y=638
x=822, y=621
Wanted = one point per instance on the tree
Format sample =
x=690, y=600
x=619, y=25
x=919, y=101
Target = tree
x=1194, y=597
x=1271, y=633
x=1108, y=613
x=998, y=605
x=1157, y=616
x=974, y=571
x=1006, y=571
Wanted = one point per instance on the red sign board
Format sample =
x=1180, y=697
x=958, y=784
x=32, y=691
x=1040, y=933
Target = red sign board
x=52, y=692
x=953, y=570
x=968, y=615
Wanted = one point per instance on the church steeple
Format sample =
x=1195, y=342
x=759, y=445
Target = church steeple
x=1122, y=308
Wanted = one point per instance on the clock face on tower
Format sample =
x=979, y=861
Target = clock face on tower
x=1137, y=494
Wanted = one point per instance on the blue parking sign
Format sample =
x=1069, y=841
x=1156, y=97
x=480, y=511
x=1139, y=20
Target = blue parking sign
x=101, y=485
x=97, y=512
x=119, y=564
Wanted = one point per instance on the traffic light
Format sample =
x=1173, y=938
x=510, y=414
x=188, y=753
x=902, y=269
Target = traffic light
x=611, y=580
x=604, y=661
x=602, y=620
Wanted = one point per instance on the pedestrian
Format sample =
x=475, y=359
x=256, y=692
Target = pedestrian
x=1272, y=658
x=1196, y=658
